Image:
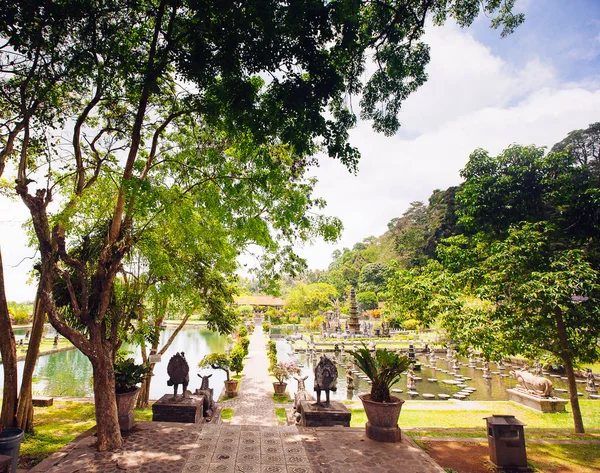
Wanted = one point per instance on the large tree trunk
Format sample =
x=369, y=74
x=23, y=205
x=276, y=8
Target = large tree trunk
x=25, y=406
x=107, y=419
x=8, y=349
x=566, y=358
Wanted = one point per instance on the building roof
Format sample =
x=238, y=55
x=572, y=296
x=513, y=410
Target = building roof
x=260, y=300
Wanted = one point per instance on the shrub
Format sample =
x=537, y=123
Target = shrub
x=410, y=324
x=236, y=358
x=284, y=371
x=22, y=313
x=128, y=374
x=266, y=328
x=245, y=343
x=217, y=361
x=243, y=331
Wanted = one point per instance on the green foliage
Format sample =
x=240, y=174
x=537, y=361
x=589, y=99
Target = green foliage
x=367, y=300
x=243, y=331
x=308, y=299
x=244, y=342
x=372, y=278
x=272, y=353
x=236, y=358
x=266, y=327
x=283, y=371
x=21, y=312
x=383, y=369
x=217, y=361
x=227, y=413
x=128, y=374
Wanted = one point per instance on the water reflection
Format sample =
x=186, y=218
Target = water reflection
x=446, y=382
x=69, y=373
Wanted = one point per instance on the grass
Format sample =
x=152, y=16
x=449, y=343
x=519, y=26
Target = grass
x=281, y=416
x=533, y=434
x=465, y=418
x=282, y=398
x=548, y=458
x=226, y=413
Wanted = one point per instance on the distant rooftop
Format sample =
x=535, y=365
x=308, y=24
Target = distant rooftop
x=260, y=300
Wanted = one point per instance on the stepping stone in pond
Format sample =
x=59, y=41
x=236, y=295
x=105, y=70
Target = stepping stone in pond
x=594, y=396
x=412, y=393
x=450, y=381
x=444, y=396
x=459, y=396
x=397, y=391
x=418, y=378
x=444, y=371
x=432, y=380
x=495, y=372
x=580, y=394
x=470, y=389
x=461, y=385
x=564, y=378
x=505, y=375
x=555, y=375
x=580, y=381
x=561, y=390
x=429, y=396
x=466, y=378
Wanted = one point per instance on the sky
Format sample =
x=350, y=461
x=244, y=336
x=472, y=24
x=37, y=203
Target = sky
x=532, y=87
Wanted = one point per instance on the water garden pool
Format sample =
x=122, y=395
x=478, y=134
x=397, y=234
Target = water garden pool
x=493, y=389
x=69, y=373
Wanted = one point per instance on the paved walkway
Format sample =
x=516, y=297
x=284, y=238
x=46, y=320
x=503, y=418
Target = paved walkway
x=252, y=443
x=254, y=405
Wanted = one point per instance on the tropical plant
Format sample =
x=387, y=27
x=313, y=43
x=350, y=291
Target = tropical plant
x=128, y=374
x=236, y=358
x=283, y=371
x=383, y=369
x=217, y=361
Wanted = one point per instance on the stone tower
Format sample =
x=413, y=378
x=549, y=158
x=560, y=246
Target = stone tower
x=353, y=324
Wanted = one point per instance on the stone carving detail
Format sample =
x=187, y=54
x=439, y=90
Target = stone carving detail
x=411, y=379
x=533, y=384
x=590, y=381
x=179, y=373
x=325, y=378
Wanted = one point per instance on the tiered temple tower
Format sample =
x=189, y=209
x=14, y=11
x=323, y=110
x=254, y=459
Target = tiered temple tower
x=353, y=323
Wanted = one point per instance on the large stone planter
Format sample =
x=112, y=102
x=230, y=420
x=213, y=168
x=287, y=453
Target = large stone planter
x=382, y=424
x=279, y=388
x=231, y=388
x=125, y=404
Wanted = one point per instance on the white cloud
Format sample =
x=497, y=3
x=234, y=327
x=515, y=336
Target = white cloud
x=472, y=100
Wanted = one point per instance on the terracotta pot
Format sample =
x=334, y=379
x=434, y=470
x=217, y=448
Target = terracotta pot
x=231, y=387
x=279, y=388
x=126, y=401
x=382, y=414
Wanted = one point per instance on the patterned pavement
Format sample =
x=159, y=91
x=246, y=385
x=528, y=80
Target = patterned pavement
x=254, y=404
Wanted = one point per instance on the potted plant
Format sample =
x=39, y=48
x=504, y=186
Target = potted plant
x=383, y=368
x=128, y=374
x=282, y=372
x=221, y=361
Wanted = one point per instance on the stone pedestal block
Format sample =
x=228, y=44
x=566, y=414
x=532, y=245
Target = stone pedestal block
x=313, y=415
x=42, y=401
x=188, y=410
x=542, y=404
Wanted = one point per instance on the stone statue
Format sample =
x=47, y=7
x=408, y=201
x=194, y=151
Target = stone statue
x=349, y=380
x=590, y=381
x=487, y=374
x=411, y=382
x=533, y=384
x=372, y=345
x=301, y=386
x=500, y=366
x=55, y=343
x=204, y=384
x=325, y=378
x=472, y=361
x=455, y=362
x=537, y=367
x=179, y=373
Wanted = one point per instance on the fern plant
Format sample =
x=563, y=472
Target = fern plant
x=383, y=369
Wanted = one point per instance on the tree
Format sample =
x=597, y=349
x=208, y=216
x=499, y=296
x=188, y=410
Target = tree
x=532, y=272
x=310, y=299
x=119, y=78
x=529, y=296
x=373, y=277
x=367, y=301
x=584, y=145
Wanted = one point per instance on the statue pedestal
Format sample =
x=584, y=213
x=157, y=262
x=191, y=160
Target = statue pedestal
x=542, y=404
x=336, y=414
x=188, y=411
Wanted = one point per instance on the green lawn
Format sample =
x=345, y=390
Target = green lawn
x=226, y=413
x=465, y=418
x=281, y=417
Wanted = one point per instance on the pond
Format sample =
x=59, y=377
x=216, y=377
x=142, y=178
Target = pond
x=493, y=389
x=69, y=373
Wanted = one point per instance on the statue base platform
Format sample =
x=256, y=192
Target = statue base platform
x=383, y=434
x=313, y=415
x=186, y=410
x=542, y=404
